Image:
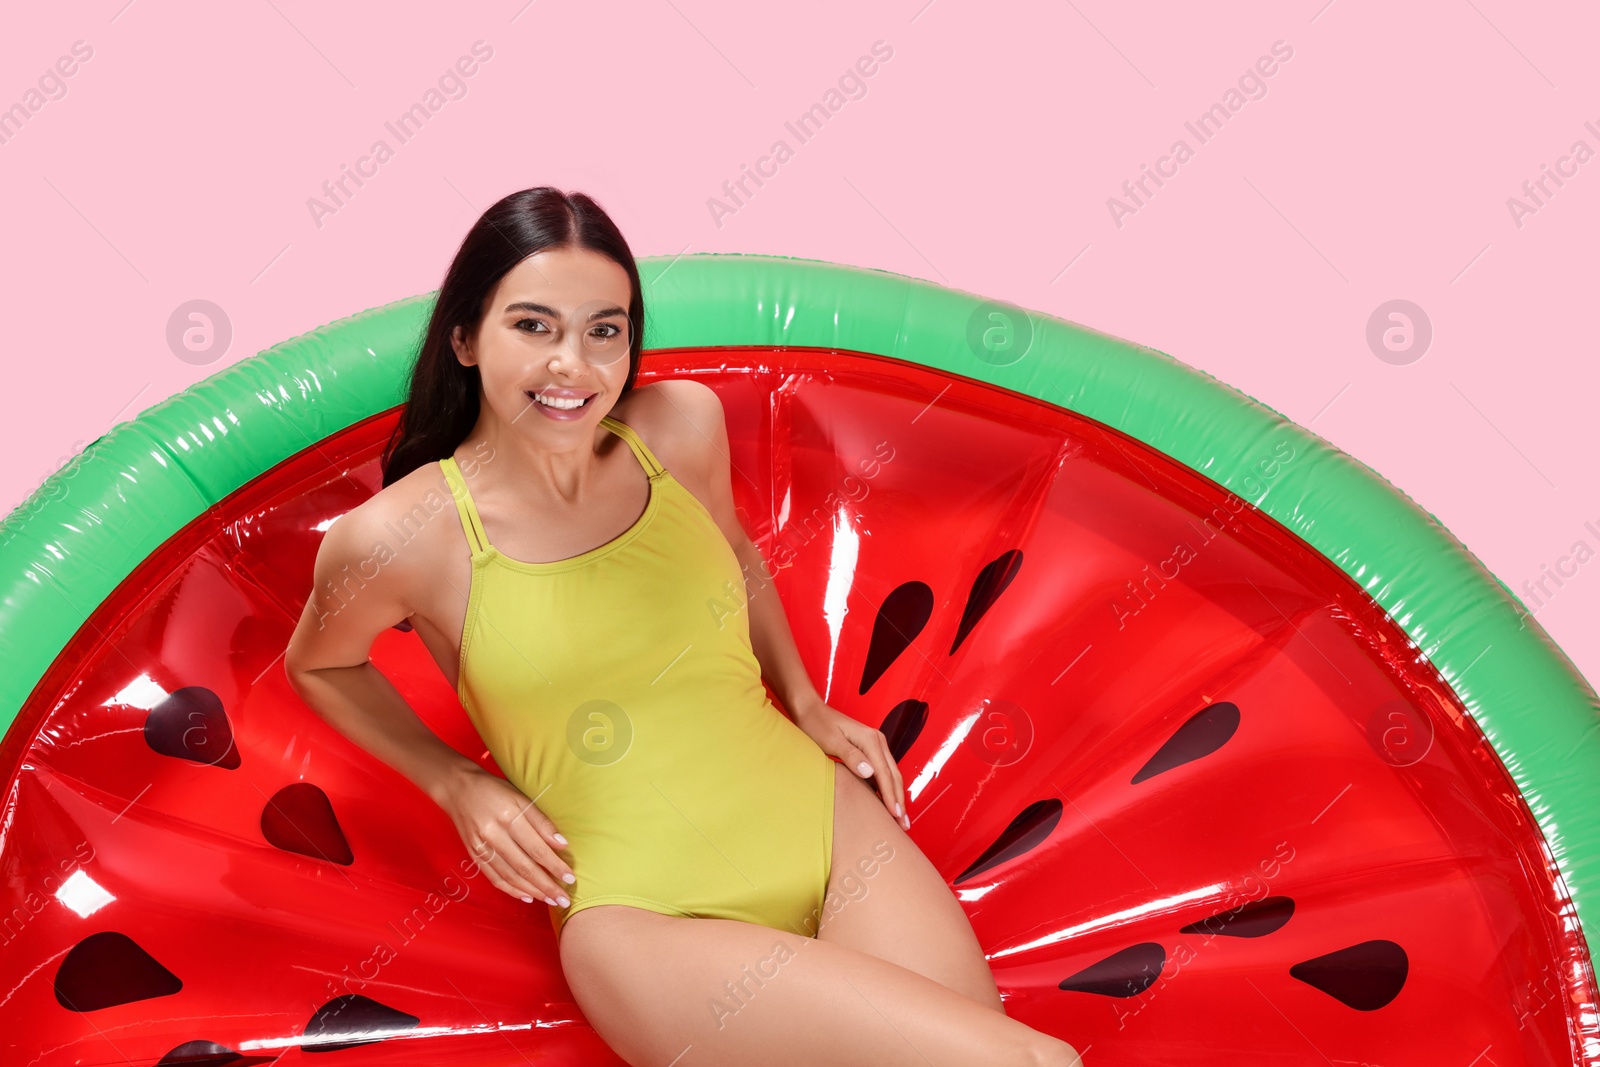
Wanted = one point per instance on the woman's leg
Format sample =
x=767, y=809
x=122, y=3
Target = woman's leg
x=666, y=991
x=899, y=909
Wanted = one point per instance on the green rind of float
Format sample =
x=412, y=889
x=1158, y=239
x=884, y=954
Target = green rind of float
x=69, y=545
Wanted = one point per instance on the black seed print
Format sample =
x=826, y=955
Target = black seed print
x=903, y=726
x=300, y=819
x=1365, y=976
x=986, y=589
x=354, y=1016
x=191, y=724
x=1025, y=833
x=209, y=1054
x=1205, y=731
x=107, y=969
x=1125, y=973
x=1254, y=919
x=904, y=613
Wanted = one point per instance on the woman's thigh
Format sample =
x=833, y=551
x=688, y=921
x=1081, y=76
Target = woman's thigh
x=886, y=898
x=664, y=990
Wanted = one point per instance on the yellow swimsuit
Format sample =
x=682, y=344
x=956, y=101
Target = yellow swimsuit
x=619, y=691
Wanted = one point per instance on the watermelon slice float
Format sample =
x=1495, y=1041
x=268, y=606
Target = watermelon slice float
x=1229, y=751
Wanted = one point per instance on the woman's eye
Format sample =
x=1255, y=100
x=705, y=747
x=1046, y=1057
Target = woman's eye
x=523, y=322
x=608, y=326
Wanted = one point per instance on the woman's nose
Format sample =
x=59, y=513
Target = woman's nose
x=569, y=350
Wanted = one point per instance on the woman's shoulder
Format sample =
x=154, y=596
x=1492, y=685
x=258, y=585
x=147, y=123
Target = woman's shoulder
x=679, y=419
x=401, y=514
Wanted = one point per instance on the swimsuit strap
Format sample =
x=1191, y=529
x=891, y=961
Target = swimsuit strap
x=477, y=540
x=472, y=525
x=646, y=458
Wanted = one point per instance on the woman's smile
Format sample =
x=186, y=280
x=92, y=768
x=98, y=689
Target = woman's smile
x=561, y=404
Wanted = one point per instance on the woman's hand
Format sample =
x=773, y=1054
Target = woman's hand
x=512, y=841
x=859, y=747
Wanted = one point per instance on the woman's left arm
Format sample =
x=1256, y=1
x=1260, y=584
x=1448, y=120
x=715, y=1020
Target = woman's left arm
x=856, y=745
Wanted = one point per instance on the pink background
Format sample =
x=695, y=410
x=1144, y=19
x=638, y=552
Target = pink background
x=177, y=163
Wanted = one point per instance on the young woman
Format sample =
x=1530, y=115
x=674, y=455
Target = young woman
x=722, y=891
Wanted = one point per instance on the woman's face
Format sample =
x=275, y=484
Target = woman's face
x=556, y=328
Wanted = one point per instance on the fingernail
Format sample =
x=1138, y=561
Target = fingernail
x=565, y=902
x=899, y=811
x=527, y=900
x=569, y=878
x=559, y=838
x=550, y=902
x=864, y=767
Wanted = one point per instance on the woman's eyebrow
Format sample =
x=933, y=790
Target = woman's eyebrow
x=543, y=309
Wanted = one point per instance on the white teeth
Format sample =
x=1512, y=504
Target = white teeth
x=557, y=402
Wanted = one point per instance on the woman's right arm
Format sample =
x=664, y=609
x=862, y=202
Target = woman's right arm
x=327, y=666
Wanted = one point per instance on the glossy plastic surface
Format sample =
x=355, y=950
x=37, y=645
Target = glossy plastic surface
x=74, y=541
x=1202, y=800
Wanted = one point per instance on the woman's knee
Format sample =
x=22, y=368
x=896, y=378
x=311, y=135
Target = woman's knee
x=1050, y=1052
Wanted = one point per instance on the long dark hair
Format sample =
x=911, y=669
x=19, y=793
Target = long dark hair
x=442, y=401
